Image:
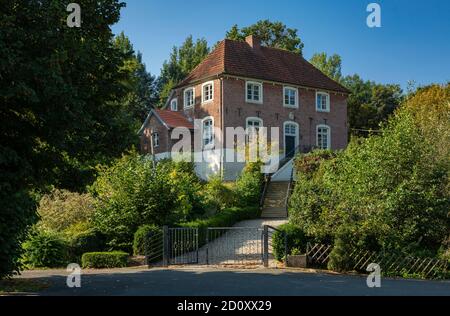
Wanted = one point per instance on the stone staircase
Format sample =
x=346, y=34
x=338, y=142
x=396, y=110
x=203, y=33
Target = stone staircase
x=275, y=200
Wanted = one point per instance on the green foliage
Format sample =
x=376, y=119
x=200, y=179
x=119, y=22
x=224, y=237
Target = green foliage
x=104, y=260
x=340, y=259
x=271, y=34
x=182, y=61
x=369, y=103
x=131, y=193
x=217, y=196
x=17, y=214
x=44, y=249
x=385, y=192
x=141, y=236
x=248, y=185
x=58, y=116
x=296, y=239
x=85, y=241
x=141, y=85
x=61, y=209
x=329, y=65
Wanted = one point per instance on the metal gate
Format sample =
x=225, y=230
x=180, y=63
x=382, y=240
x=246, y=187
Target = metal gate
x=180, y=246
x=234, y=246
x=220, y=246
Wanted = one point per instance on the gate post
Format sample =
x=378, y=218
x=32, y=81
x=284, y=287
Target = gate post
x=165, y=246
x=207, y=246
x=266, y=246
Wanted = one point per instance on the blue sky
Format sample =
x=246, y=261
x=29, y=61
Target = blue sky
x=412, y=44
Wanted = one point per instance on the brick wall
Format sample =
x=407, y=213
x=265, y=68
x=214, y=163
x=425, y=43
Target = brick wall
x=274, y=114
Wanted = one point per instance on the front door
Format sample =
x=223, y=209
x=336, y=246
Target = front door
x=290, y=139
x=290, y=145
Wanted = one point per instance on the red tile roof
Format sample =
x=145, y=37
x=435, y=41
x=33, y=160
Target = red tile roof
x=240, y=59
x=174, y=119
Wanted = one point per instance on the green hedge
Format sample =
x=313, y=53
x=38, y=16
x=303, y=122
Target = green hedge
x=296, y=238
x=87, y=241
x=44, y=249
x=141, y=236
x=99, y=260
x=225, y=218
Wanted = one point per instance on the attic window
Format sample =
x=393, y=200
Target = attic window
x=174, y=105
x=254, y=92
x=207, y=92
x=189, y=97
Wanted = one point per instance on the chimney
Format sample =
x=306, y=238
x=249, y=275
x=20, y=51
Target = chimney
x=253, y=41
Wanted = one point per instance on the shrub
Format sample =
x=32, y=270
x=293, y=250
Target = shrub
x=61, y=209
x=248, y=185
x=296, y=239
x=17, y=213
x=101, y=260
x=225, y=218
x=44, y=249
x=141, y=236
x=86, y=241
x=130, y=193
x=217, y=196
x=390, y=189
x=340, y=259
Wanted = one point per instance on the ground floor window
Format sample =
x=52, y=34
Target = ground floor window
x=323, y=137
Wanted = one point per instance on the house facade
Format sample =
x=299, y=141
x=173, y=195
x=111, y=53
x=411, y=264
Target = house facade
x=244, y=84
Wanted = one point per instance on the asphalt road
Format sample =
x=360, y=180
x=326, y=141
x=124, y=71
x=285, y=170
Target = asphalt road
x=227, y=282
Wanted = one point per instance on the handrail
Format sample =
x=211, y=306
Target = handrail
x=264, y=190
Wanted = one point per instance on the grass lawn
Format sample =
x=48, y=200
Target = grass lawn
x=12, y=286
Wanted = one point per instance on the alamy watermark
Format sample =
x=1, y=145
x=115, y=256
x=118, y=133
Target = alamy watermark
x=374, y=278
x=74, y=18
x=374, y=18
x=74, y=278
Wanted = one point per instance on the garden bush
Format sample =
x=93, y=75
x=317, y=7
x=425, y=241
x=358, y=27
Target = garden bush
x=17, y=213
x=248, y=185
x=61, y=209
x=141, y=237
x=85, y=241
x=44, y=249
x=296, y=239
x=102, y=260
x=217, y=196
x=386, y=192
x=131, y=193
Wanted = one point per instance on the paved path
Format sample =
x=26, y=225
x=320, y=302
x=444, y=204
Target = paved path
x=239, y=245
x=227, y=282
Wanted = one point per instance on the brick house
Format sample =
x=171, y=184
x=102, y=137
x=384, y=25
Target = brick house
x=248, y=85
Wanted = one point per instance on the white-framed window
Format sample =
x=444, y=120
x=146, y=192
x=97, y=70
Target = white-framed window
x=252, y=125
x=155, y=140
x=189, y=97
x=322, y=101
x=174, y=105
x=290, y=97
x=323, y=136
x=208, y=132
x=290, y=129
x=208, y=92
x=253, y=92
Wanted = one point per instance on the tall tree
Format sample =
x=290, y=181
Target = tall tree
x=329, y=65
x=181, y=62
x=58, y=110
x=370, y=103
x=140, y=84
x=271, y=34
